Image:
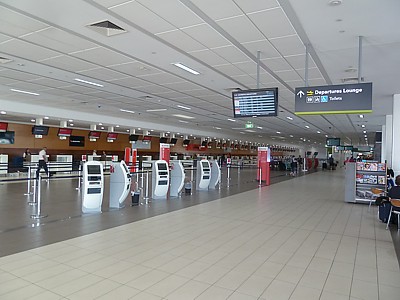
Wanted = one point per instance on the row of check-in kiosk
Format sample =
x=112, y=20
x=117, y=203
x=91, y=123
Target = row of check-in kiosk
x=165, y=179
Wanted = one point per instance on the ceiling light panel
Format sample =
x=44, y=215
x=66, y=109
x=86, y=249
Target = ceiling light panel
x=186, y=68
x=183, y=116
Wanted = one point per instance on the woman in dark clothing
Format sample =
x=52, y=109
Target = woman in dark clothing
x=394, y=192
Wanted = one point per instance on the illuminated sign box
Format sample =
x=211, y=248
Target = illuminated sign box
x=334, y=99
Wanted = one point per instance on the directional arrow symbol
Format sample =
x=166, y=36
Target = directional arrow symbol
x=300, y=94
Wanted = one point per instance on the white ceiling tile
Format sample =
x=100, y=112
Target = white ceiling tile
x=181, y=86
x=209, y=57
x=245, y=79
x=143, y=17
x=153, y=89
x=313, y=73
x=207, y=36
x=79, y=89
x=181, y=40
x=173, y=11
x=264, y=46
x=170, y=94
x=272, y=23
x=289, y=45
x=59, y=40
x=49, y=82
x=229, y=70
x=248, y=67
x=299, y=61
x=109, y=3
x=161, y=78
x=276, y=64
x=241, y=29
x=68, y=63
x=131, y=82
x=135, y=69
x=59, y=92
x=26, y=50
x=249, y=6
x=231, y=54
x=18, y=75
x=16, y=24
x=27, y=86
x=218, y=9
x=101, y=56
x=6, y=81
x=102, y=74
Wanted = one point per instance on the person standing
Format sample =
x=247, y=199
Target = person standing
x=42, y=162
x=27, y=155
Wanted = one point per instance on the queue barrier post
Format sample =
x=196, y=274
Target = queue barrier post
x=38, y=213
x=260, y=174
x=28, y=192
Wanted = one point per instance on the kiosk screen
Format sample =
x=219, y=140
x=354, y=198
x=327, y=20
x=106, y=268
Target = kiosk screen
x=93, y=169
x=162, y=167
x=205, y=165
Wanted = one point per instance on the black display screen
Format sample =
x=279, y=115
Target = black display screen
x=40, y=130
x=173, y=141
x=133, y=137
x=259, y=102
x=76, y=141
x=205, y=165
x=7, y=137
x=93, y=169
x=162, y=167
x=333, y=142
x=163, y=140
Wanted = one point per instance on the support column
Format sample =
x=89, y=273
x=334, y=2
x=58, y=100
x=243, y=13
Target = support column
x=384, y=143
x=395, y=153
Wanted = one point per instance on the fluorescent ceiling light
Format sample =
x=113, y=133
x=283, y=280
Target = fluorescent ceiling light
x=259, y=127
x=184, y=107
x=278, y=132
x=183, y=67
x=361, y=116
x=33, y=120
x=326, y=135
x=100, y=124
x=71, y=125
x=158, y=109
x=318, y=131
x=3, y=112
x=183, y=121
x=232, y=120
x=25, y=92
x=46, y=118
x=290, y=118
x=218, y=128
x=70, y=120
x=117, y=126
x=291, y=135
x=183, y=116
x=307, y=126
x=127, y=111
x=88, y=82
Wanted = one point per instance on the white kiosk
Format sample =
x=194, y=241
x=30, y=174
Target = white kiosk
x=120, y=184
x=177, y=178
x=92, y=187
x=160, y=179
x=203, y=174
x=215, y=175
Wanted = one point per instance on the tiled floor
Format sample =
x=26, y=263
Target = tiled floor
x=292, y=240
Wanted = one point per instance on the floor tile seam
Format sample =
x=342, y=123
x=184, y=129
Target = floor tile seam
x=232, y=292
x=31, y=284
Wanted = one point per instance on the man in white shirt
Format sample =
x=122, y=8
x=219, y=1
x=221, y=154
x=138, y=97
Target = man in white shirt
x=42, y=162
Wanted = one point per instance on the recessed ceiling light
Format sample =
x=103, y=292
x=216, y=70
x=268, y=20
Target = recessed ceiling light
x=259, y=127
x=127, y=111
x=186, y=68
x=278, y=132
x=364, y=131
x=71, y=124
x=290, y=118
x=88, y=82
x=363, y=126
x=291, y=135
x=24, y=92
x=46, y=118
x=100, y=124
x=183, y=121
x=361, y=116
x=335, y=2
x=151, y=130
x=33, y=120
x=102, y=127
x=127, y=130
x=3, y=112
x=307, y=126
x=139, y=128
x=184, y=107
x=183, y=116
x=117, y=126
x=318, y=132
x=158, y=109
x=326, y=135
x=232, y=120
x=70, y=120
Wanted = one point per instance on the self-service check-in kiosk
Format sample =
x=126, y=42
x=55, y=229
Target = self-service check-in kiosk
x=160, y=179
x=92, y=187
x=120, y=184
x=203, y=175
x=177, y=178
x=215, y=174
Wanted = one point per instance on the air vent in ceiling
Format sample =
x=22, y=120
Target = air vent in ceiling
x=106, y=28
x=4, y=60
x=352, y=80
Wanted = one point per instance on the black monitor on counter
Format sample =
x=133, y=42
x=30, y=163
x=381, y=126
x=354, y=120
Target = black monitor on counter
x=133, y=137
x=40, y=130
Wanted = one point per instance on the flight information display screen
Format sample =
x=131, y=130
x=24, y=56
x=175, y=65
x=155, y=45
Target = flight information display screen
x=259, y=103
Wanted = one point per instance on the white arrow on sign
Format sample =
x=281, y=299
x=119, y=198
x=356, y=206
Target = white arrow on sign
x=300, y=94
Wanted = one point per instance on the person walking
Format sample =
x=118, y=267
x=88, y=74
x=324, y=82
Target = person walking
x=42, y=162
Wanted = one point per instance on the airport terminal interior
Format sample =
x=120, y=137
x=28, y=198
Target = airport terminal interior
x=199, y=149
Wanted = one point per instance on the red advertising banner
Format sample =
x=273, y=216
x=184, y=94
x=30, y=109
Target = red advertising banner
x=84, y=158
x=134, y=160
x=164, y=152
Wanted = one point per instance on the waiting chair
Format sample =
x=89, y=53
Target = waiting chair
x=377, y=193
x=396, y=210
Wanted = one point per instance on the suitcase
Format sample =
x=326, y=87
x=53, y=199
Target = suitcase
x=188, y=188
x=384, y=211
x=135, y=198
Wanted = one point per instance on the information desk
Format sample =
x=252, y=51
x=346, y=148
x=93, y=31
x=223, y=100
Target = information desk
x=177, y=178
x=203, y=174
x=160, y=179
x=120, y=184
x=92, y=187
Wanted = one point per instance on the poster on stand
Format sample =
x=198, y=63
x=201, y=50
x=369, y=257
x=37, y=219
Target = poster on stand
x=165, y=152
